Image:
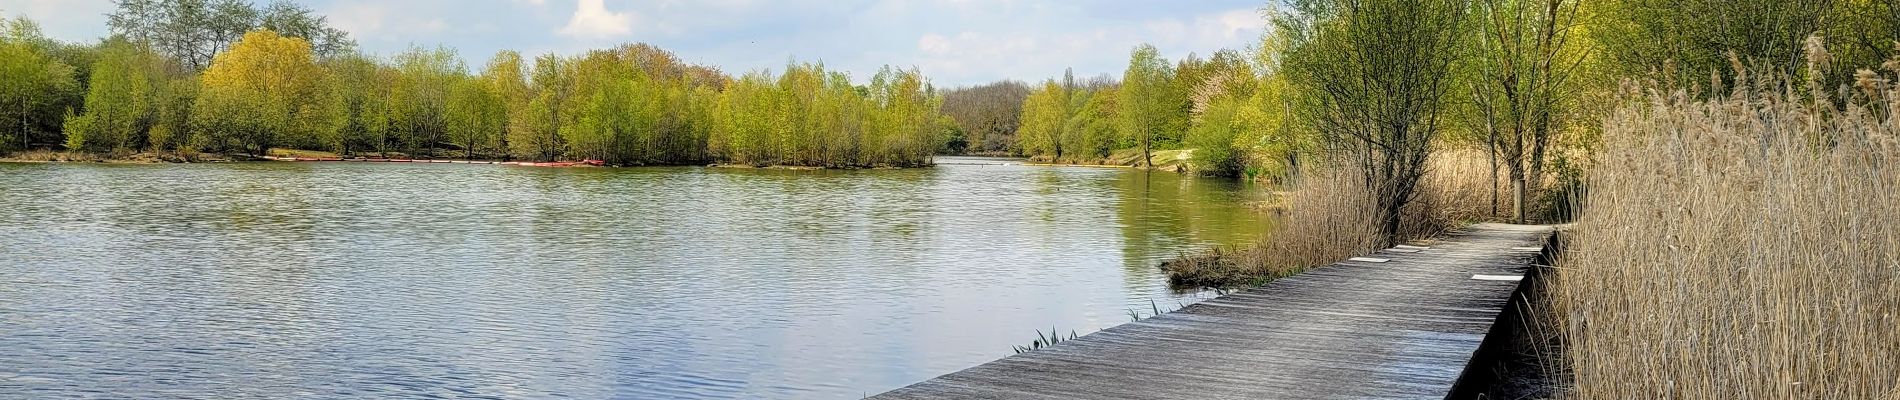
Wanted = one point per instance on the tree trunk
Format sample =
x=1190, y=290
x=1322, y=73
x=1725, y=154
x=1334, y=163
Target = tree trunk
x=1518, y=192
x=1494, y=175
x=1147, y=154
x=1390, y=214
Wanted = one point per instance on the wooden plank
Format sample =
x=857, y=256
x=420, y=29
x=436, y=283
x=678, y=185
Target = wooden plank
x=1404, y=327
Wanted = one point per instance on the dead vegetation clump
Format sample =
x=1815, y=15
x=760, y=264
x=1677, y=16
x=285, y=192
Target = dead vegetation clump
x=1328, y=216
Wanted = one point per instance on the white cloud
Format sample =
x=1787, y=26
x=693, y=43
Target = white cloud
x=955, y=42
x=1030, y=52
x=593, y=20
x=398, y=23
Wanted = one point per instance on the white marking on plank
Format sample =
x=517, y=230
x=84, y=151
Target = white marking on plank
x=1369, y=259
x=1513, y=278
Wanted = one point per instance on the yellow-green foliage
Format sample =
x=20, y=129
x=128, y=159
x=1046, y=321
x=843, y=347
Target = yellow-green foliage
x=119, y=101
x=809, y=116
x=32, y=84
x=264, y=92
x=1045, y=120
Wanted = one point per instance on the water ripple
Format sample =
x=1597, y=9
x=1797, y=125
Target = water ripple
x=437, y=281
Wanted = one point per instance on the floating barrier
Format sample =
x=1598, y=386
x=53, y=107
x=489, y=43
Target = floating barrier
x=582, y=163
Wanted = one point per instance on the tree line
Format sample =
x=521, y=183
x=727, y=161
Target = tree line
x=220, y=76
x=1381, y=86
x=1218, y=106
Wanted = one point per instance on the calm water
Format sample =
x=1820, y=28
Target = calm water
x=333, y=280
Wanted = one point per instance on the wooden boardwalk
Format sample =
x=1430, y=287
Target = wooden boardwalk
x=1406, y=327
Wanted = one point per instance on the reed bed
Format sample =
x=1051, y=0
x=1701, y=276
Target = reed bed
x=1329, y=217
x=1744, y=245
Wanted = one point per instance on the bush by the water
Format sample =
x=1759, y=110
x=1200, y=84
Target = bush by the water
x=1328, y=217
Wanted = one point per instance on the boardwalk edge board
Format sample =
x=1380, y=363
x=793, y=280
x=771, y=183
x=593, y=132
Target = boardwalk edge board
x=1411, y=328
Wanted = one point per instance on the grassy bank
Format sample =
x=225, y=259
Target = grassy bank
x=1328, y=217
x=1742, y=246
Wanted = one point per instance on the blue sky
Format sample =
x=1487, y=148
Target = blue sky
x=955, y=42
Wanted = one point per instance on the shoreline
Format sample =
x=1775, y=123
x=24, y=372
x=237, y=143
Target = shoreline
x=51, y=157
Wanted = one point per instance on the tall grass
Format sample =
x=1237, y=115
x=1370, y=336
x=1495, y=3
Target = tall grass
x=1329, y=217
x=1745, y=245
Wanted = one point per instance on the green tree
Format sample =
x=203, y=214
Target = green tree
x=1045, y=118
x=1697, y=35
x=1219, y=124
x=119, y=101
x=32, y=84
x=420, y=98
x=477, y=117
x=1147, y=100
x=543, y=120
x=1096, y=126
x=194, y=31
x=264, y=92
x=171, y=124
x=987, y=115
x=361, y=89
x=505, y=75
x=1376, y=78
x=289, y=19
x=1525, y=66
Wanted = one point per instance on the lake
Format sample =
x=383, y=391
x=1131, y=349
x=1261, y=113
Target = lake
x=328, y=280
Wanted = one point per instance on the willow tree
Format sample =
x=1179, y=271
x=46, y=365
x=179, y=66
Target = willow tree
x=1525, y=64
x=420, y=99
x=539, y=136
x=477, y=117
x=1376, y=76
x=266, y=90
x=505, y=75
x=31, y=84
x=119, y=101
x=1094, y=128
x=1044, y=121
x=1697, y=36
x=1147, y=100
x=903, y=119
x=1219, y=121
x=362, y=87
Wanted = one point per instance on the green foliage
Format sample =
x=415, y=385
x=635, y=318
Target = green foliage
x=1095, y=128
x=419, y=98
x=812, y=117
x=171, y=123
x=478, y=117
x=1213, y=138
x=631, y=105
x=1045, y=121
x=505, y=75
x=361, y=108
x=1697, y=35
x=1150, y=104
x=119, y=101
x=1218, y=106
x=33, y=85
x=265, y=92
x=1375, y=79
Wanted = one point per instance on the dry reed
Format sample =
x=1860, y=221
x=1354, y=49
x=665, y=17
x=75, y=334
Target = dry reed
x=1329, y=217
x=1742, y=246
